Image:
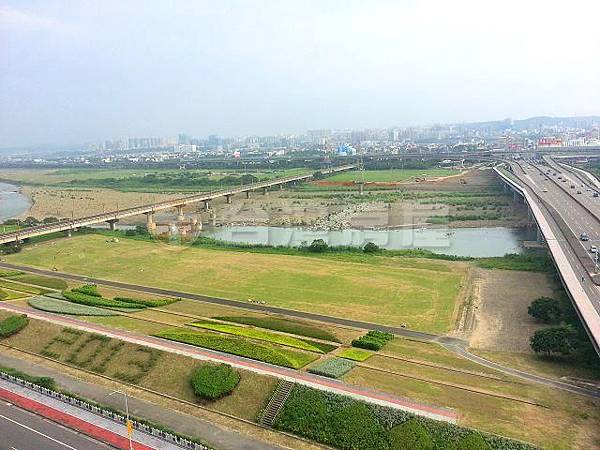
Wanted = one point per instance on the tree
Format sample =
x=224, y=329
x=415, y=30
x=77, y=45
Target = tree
x=410, y=435
x=473, y=441
x=546, y=309
x=318, y=175
x=318, y=246
x=370, y=247
x=563, y=340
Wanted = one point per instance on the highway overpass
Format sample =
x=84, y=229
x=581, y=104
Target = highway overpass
x=562, y=214
x=113, y=217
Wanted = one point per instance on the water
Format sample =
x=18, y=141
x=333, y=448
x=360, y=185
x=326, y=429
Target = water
x=12, y=202
x=476, y=242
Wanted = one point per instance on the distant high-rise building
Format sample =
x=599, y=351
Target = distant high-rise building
x=183, y=139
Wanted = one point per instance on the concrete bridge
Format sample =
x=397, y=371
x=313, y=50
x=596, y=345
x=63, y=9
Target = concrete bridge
x=149, y=210
x=556, y=212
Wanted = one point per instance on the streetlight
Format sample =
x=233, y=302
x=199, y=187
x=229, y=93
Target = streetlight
x=129, y=425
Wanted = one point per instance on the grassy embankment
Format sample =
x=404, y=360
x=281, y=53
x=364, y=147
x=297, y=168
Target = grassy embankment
x=381, y=290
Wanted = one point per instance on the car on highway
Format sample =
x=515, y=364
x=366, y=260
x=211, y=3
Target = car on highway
x=572, y=186
x=595, y=194
x=584, y=237
x=579, y=192
x=593, y=249
x=544, y=190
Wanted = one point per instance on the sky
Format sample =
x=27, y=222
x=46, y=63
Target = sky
x=84, y=71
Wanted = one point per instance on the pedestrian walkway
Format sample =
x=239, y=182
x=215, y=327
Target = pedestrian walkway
x=86, y=422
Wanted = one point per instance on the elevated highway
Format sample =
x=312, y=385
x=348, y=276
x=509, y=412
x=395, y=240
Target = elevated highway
x=562, y=214
x=112, y=217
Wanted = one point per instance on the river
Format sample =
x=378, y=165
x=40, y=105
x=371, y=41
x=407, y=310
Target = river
x=12, y=202
x=476, y=242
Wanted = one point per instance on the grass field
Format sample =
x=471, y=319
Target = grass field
x=384, y=290
x=391, y=176
x=39, y=280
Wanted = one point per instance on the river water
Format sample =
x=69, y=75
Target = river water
x=12, y=202
x=476, y=242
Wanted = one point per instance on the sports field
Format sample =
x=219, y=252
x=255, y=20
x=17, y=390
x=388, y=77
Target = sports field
x=391, y=176
x=419, y=293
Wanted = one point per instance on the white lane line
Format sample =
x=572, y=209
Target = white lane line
x=37, y=432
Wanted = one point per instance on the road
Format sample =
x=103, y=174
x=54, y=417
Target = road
x=563, y=213
x=22, y=430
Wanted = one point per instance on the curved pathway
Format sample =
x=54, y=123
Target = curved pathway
x=455, y=345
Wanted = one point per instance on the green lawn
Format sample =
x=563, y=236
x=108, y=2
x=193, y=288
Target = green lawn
x=355, y=354
x=419, y=293
x=392, y=175
x=263, y=335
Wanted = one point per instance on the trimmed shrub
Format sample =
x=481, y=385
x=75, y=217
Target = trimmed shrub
x=63, y=307
x=472, y=441
x=410, y=435
x=333, y=367
x=370, y=247
x=213, y=381
x=9, y=273
x=88, y=289
x=373, y=340
x=13, y=324
x=284, y=325
x=91, y=300
x=147, y=302
x=240, y=347
x=46, y=382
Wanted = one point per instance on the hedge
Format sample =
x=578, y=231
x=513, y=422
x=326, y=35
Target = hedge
x=410, y=435
x=349, y=424
x=90, y=300
x=13, y=324
x=88, y=289
x=147, y=302
x=46, y=382
x=213, y=381
x=373, y=340
x=240, y=347
x=64, y=307
x=9, y=273
x=333, y=367
x=284, y=325
x=264, y=335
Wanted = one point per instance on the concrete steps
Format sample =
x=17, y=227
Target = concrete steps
x=280, y=396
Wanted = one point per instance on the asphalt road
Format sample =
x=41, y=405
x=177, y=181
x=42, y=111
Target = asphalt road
x=22, y=430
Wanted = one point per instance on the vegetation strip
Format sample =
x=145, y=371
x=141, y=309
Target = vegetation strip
x=240, y=347
x=55, y=305
x=452, y=385
x=256, y=333
x=332, y=367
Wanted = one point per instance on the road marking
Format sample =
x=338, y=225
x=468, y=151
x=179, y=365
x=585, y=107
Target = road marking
x=37, y=432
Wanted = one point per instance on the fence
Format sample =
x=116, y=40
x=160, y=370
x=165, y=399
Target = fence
x=116, y=417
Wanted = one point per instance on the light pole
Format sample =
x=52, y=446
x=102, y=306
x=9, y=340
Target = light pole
x=129, y=425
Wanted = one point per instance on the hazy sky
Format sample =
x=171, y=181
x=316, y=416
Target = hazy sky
x=82, y=71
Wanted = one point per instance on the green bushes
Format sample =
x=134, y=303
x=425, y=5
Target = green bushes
x=349, y=424
x=410, y=435
x=91, y=300
x=154, y=302
x=333, y=367
x=373, y=340
x=13, y=324
x=263, y=335
x=240, y=347
x=46, y=382
x=546, y=309
x=88, y=289
x=9, y=273
x=528, y=261
x=63, y=307
x=213, y=381
x=284, y=325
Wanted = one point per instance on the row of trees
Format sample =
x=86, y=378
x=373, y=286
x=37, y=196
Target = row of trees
x=566, y=336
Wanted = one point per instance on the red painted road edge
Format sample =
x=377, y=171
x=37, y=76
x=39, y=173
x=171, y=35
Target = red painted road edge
x=70, y=421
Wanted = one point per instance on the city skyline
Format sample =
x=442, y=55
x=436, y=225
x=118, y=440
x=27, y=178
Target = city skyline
x=90, y=71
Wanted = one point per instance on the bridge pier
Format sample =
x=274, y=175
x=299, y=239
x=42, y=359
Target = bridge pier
x=265, y=191
x=213, y=218
x=150, y=225
x=505, y=188
x=206, y=205
x=195, y=225
x=228, y=199
x=361, y=188
x=68, y=233
x=530, y=215
x=180, y=215
x=112, y=224
x=247, y=194
x=281, y=187
x=516, y=196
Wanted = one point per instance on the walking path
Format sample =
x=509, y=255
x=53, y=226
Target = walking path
x=305, y=378
x=217, y=436
x=453, y=344
x=98, y=427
